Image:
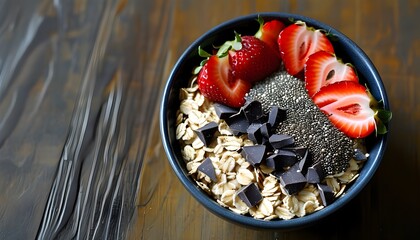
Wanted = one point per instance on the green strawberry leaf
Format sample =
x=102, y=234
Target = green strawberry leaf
x=197, y=70
x=203, y=53
x=331, y=36
x=224, y=49
x=384, y=115
x=380, y=127
x=235, y=44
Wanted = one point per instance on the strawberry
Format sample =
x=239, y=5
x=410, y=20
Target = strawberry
x=269, y=33
x=217, y=83
x=347, y=105
x=297, y=42
x=254, y=60
x=323, y=68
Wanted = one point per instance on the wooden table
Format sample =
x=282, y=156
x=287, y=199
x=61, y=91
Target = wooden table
x=80, y=149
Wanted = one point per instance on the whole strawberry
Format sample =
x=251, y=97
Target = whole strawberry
x=254, y=60
x=269, y=33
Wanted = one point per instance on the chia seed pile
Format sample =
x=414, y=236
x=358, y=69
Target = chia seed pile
x=305, y=122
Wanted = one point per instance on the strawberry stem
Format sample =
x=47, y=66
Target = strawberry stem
x=260, y=20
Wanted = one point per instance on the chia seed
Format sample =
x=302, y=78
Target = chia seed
x=308, y=125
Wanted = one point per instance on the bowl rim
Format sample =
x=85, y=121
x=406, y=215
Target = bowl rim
x=212, y=205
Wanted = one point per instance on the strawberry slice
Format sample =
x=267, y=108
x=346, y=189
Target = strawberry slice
x=254, y=60
x=347, y=105
x=269, y=33
x=323, y=68
x=297, y=42
x=216, y=82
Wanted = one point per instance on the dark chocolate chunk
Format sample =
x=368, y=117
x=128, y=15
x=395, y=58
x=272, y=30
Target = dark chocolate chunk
x=292, y=180
x=281, y=159
x=278, y=173
x=326, y=193
x=262, y=119
x=288, y=158
x=206, y=133
x=238, y=123
x=315, y=174
x=250, y=195
x=224, y=111
x=207, y=168
x=254, y=154
x=359, y=155
x=320, y=170
x=281, y=140
x=265, y=130
x=312, y=175
x=276, y=115
x=305, y=162
x=300, y=151
x=273, y=162
x=253, y=111
x=254, y=133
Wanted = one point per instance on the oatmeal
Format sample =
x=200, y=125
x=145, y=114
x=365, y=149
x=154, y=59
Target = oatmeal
x=214, y=157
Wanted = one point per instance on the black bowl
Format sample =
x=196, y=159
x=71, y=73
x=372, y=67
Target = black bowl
x=181, y=73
